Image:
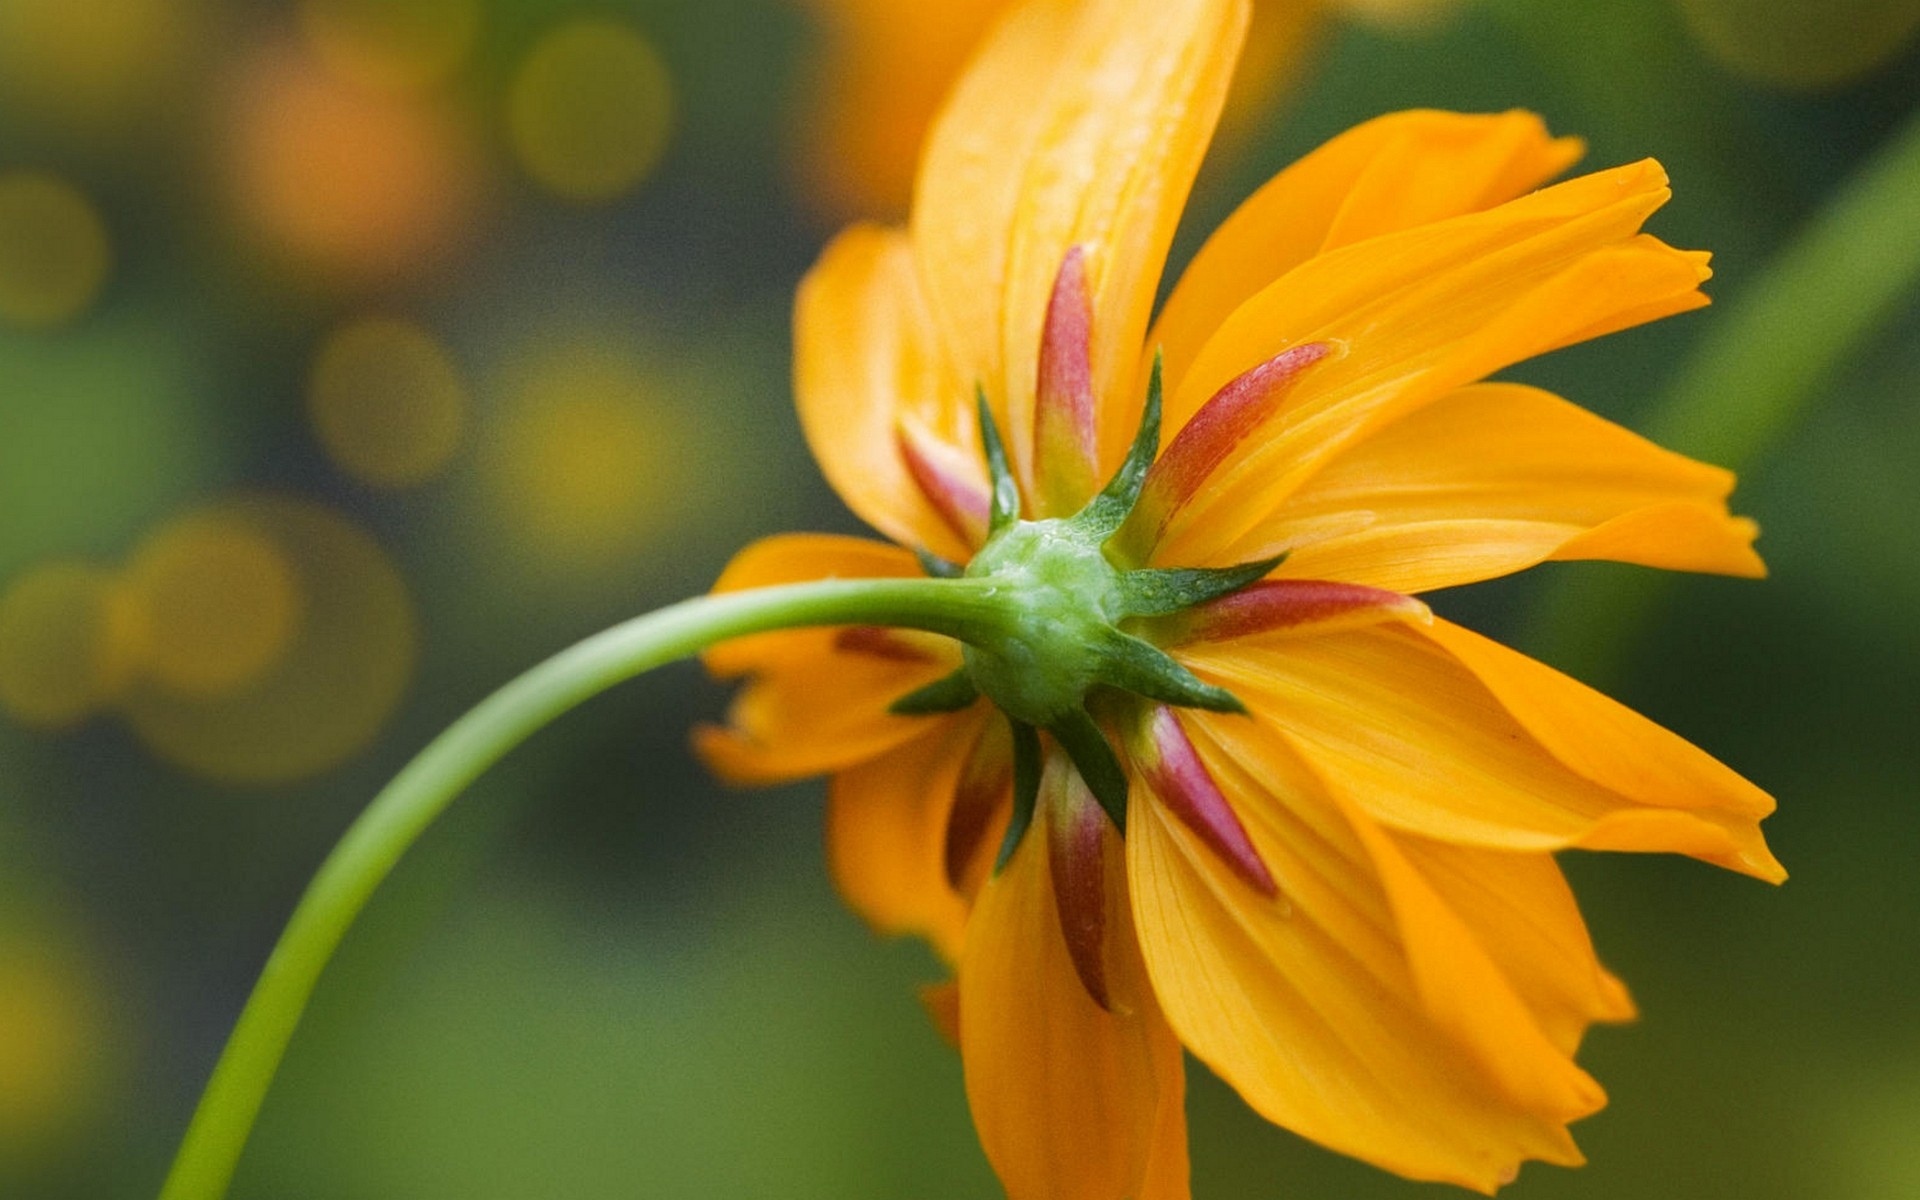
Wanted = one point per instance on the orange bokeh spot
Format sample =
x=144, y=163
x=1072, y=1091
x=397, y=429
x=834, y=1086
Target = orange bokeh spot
x=346, y=180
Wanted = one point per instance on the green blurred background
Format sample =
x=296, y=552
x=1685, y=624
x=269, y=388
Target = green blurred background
x=355, y=354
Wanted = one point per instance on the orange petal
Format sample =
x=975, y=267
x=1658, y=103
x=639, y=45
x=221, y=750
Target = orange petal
x=1392, y=173
x=1520, y=908
x=867, y=358
x=942, y=1002
x=1405, y=722
x=1468, y=995
x=1496, y=477
x=816, y=700
x=1080, y=122
x=887, y=833
x=1607, y=742
x=797, y=558
x=886, y=67
x=1308, y=1005
x=1072, y=1101
x=1417, y=314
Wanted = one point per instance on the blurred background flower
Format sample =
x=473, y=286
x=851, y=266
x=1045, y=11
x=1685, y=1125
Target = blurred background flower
x=356, y=353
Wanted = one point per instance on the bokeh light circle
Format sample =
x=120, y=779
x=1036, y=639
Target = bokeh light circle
x=387, y=402
x=61, y=655
x=343, y=180
x=215, y=604
x=583, y=458
x=53, y=250
x=1803, y=44
x=589, y=110
x=391, y=44
x=333, y=685
x=88, y=64
x=54, y=1046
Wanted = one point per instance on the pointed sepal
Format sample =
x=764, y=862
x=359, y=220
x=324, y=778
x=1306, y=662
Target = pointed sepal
x=937, y=567
x=1065, y=449
x=1026, y=790
x=1205, y=441
x=1299, y=607
x=1086, y=744
x=1160, y=591
x=949, y=693
x=978, y=797
x=1107, y=512
x=945, y=479
x=1137, y=666
x=1077, y=850
x=1003, y=498
x=1171, y=768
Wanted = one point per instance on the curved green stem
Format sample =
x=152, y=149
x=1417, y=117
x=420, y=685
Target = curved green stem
x=1758, y=372
x=402, y=811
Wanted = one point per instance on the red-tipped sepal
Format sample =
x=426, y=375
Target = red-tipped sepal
x=894, y=645
x=1222, y=423
x=1079, y=836
x=1173, y=772
x=981, y=800
x=1066, y=448
x=1290, y=606
x=948, y=477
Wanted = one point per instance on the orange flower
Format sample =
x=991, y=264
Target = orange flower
x=1342, y=899
x=885, y=66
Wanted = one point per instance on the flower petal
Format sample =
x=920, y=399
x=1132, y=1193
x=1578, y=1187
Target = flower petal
x=1417, y=314
x=1607, y=742
x=816, y=699
x=1392, y=173
x=887, y=833
x=1072, y=1101
x=884, y=72
x=797, y=558
x=1520, y=908
x=1470, y=997
x=1496, y=477
x=1437, y=732
x=1307, y=1005
x=866, y=359
x=1081, y=122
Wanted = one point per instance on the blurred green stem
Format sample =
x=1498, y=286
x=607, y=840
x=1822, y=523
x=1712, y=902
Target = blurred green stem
x=1756, y=373
x=204, y=1166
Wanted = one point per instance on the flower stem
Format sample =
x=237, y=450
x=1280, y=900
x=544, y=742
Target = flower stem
x=204, y=1166
x=1758, y=372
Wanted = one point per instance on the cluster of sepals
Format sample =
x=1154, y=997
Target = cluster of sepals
x=1113, y=660
x=1077, y=656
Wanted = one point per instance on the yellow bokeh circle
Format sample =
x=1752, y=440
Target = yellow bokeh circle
x=1803, y=44
x=53, y=250
x=583, y=457
x=589, y=110
x=387, y=402
x=396, y=44
x=55, y=1049
x=332, y=683
x=61, y=657
x=91, y=64
x=214, y=604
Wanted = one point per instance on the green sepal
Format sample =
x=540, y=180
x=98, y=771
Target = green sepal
x=1137, y=666
x=949, y=693
x=1026, y=789
x=1162, y=591
x=937, y=567
x=1081, y=737
x=1004, y=501
x=1106, y=512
